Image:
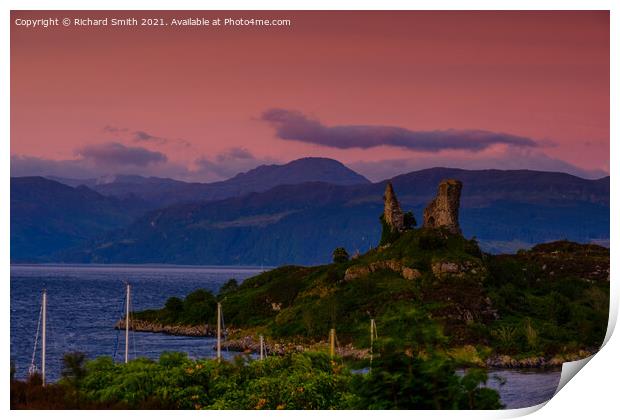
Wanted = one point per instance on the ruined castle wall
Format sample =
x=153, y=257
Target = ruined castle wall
x=443, y=211
x=392, y=213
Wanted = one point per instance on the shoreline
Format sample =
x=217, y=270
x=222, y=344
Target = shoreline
x=252, y=268
x=248, y=344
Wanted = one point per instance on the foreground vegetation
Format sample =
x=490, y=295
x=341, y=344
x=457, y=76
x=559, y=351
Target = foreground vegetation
x=295, y=381
x=424, y=288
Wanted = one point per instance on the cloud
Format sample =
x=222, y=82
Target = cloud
x=229, y=163
x=34, y=166
x=81, y=168
x=508, y=158
x=115, y=154
x=142, y=136
x=235, y=153
x=114, y=158
x=114, y=130
x=293, y=125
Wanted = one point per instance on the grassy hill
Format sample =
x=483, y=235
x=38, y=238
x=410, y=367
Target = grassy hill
x=429, y=289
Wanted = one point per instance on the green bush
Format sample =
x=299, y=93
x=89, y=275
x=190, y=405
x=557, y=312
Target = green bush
x=472, y=248
x=199, y=307
x=404, y=382
x=174, y=305
x=432, y=240
x=229, y=287
x=409, y=220
x=295, y=381
x=388, y=235
x=340, y=255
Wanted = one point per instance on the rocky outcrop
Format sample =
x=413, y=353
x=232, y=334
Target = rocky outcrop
x=392, y=213
x=249, y=344
x=444, y=269
x=443, y=211
x=358, y=271
x=507, y=362
x=410, y=273
x=154, y=327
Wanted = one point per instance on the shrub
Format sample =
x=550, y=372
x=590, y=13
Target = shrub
x=294, y=381
x=400, y=381
x=409, y=220
x=530, y=333
x=472, y=248
x=73, y=370
x=228, y=287
x=340, y=255
x=432, y=239
x=174, y=305
x=506, y=337
x=388, y=235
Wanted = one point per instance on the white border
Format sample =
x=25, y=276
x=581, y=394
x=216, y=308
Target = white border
x=592, y=394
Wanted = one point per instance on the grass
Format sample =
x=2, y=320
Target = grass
x=549, y=300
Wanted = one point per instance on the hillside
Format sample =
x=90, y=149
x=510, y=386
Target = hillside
x=427, y=288
x=505, y=210
x=47, y=216
x=160, y=192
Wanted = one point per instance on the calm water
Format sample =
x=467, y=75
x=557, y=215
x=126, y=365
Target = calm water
x=84, y=302
x=524, y=388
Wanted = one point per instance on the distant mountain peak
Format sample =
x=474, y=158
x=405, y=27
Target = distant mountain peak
x=306, y=169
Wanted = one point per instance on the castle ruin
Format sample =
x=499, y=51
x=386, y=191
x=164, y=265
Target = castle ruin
x=443, y=211
x=392, y=213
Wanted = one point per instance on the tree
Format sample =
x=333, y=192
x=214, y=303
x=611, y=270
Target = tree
x=340, y=255
x=73, y=369
x=409, y=220
x=388, y=233
x=402, y=381
x=230, y=286
x=174, y=305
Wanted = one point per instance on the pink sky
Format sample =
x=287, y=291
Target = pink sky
x=84, y=99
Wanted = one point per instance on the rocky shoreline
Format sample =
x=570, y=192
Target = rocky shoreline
x=154, y=327
x=507, y=362
x=248, y=344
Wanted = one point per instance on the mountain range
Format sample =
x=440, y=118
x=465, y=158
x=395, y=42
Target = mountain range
x=157, y=192
x=278, y=214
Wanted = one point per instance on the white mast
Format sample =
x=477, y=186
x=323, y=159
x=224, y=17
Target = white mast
x=262, y=348
x=43, y=336
x=219, y=331
x=127, y=324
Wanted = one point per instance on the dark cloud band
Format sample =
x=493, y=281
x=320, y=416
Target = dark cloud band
x=113, y=153
x=293, y=125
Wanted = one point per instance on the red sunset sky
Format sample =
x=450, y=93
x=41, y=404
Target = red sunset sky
x=383, y=92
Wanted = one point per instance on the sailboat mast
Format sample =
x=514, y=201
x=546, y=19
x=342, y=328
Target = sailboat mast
x=44, y=336
x=219, y=331
x=262, y=348
x=127, y=323
x=373, y=333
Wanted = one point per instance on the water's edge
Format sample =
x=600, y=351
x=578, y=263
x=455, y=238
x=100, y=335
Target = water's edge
x=85, y=302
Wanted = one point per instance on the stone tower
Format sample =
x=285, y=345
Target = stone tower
x=392, y=213
x=443, y=211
